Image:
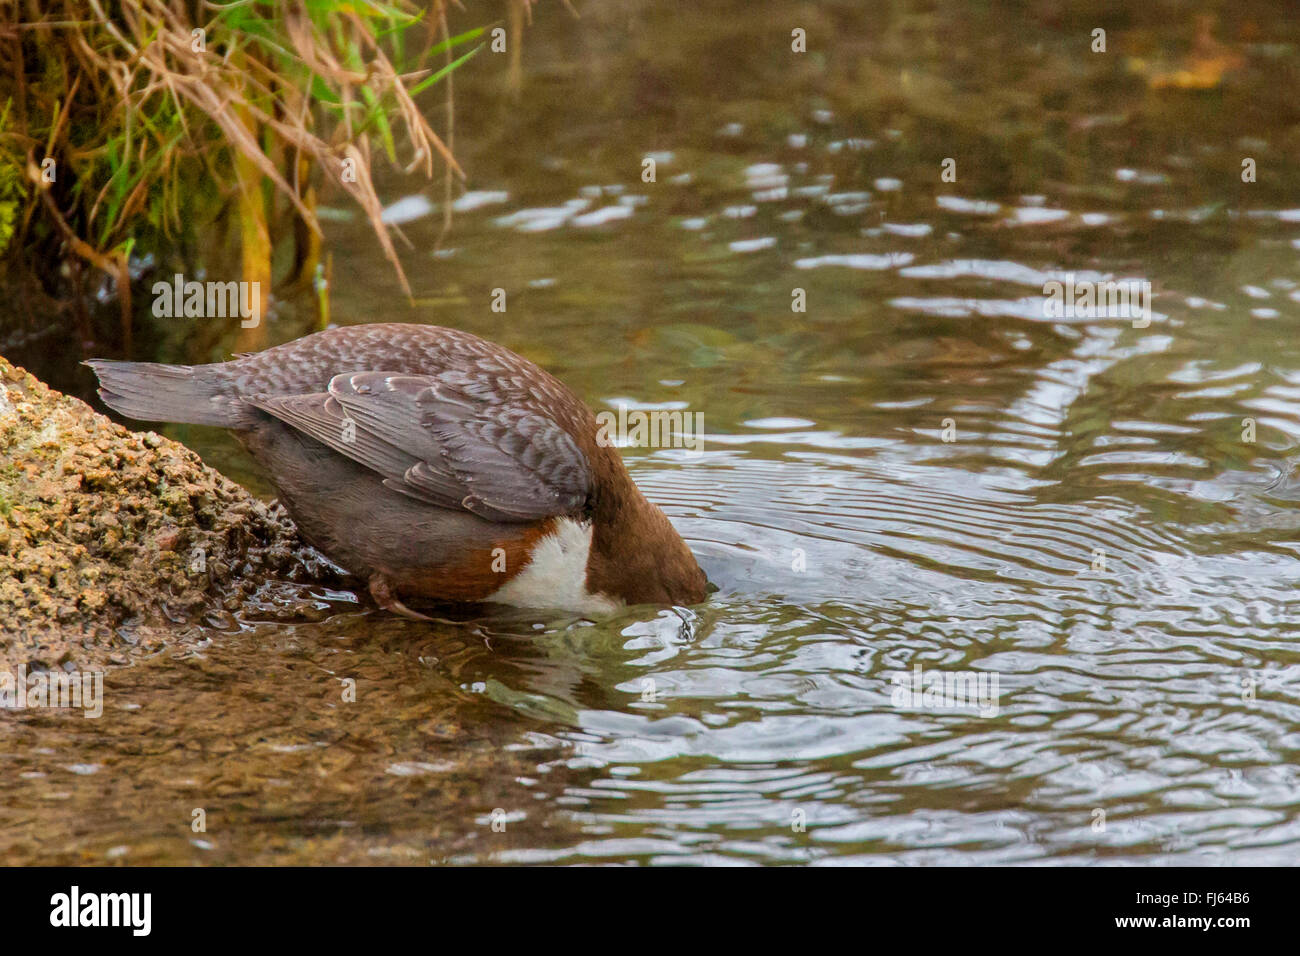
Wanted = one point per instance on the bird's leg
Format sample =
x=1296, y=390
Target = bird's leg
x=381, y=589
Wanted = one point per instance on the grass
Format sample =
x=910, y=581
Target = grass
x=165, y=117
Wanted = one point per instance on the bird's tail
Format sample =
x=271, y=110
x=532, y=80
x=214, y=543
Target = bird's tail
x=152, y=392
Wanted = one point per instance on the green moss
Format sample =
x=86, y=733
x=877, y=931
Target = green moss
x=13, y=191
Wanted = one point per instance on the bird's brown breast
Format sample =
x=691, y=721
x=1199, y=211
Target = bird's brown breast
x=478, y=573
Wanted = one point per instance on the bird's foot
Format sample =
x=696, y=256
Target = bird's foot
x=381, y=589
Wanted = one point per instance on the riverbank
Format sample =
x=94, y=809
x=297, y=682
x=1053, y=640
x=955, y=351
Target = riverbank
x=112, y=540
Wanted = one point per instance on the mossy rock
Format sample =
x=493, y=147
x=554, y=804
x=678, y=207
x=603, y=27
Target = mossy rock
x=112, y=541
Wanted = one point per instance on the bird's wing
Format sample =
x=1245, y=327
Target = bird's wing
x=439, y=439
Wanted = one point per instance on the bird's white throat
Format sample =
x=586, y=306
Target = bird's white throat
x=556, y=575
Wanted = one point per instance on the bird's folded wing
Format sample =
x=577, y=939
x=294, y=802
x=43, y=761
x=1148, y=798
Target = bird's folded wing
x=438, y=439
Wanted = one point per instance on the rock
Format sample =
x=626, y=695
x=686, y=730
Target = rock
x=110, y=540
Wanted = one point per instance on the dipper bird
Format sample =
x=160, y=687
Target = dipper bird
x=435, y=465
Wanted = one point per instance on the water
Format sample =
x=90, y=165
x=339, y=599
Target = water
x=1102, y=533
